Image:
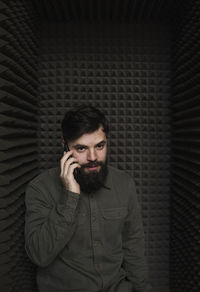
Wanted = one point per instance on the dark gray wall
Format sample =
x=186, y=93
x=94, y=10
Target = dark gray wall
x=18, y=137
x=127, y=71
x=185, y=204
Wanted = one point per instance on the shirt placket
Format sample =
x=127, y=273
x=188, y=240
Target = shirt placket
x=96, y=237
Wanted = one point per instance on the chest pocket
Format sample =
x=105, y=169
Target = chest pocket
x=114, y=213
x=113, y=221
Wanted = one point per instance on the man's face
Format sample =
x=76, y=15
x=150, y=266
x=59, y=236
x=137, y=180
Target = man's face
x=90, y=150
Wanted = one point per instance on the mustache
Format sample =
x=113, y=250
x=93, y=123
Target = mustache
x=92, y=164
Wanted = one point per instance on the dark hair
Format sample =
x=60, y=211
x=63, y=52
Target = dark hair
x=82, y=120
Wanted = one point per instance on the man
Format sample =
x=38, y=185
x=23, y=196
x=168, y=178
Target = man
x=83, y=224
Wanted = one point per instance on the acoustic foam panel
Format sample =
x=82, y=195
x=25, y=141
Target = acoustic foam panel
x=106, y=10
x=186, y=44
x=185, y=235
x=18, y=144
x=124, y=70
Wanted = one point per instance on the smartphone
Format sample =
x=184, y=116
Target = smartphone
x=66, y=149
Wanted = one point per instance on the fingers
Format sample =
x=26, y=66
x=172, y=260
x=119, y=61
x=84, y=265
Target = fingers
x=63, y=160
x=66, y=155
x=71, y=169
x=67, y=163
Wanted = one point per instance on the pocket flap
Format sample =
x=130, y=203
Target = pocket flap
x=114, y=213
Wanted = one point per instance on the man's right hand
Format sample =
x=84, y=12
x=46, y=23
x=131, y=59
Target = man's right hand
x=67, y=166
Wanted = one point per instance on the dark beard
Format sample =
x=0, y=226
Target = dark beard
x=92, y=181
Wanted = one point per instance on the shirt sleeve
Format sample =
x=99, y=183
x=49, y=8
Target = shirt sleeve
x=48, y=227
x=134, y=246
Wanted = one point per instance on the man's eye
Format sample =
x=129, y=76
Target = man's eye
x=80, y=149
x=100, y=146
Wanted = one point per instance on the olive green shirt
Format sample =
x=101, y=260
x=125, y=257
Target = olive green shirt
x=85, y=242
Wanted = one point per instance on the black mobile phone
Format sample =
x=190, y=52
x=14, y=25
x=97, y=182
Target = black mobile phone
x=66, y=149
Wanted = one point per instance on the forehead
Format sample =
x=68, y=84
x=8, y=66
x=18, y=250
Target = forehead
x=91, y=139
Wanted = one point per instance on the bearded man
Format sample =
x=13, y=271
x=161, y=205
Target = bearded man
x=83, y=226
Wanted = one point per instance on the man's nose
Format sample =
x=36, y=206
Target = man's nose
x=92, y=155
